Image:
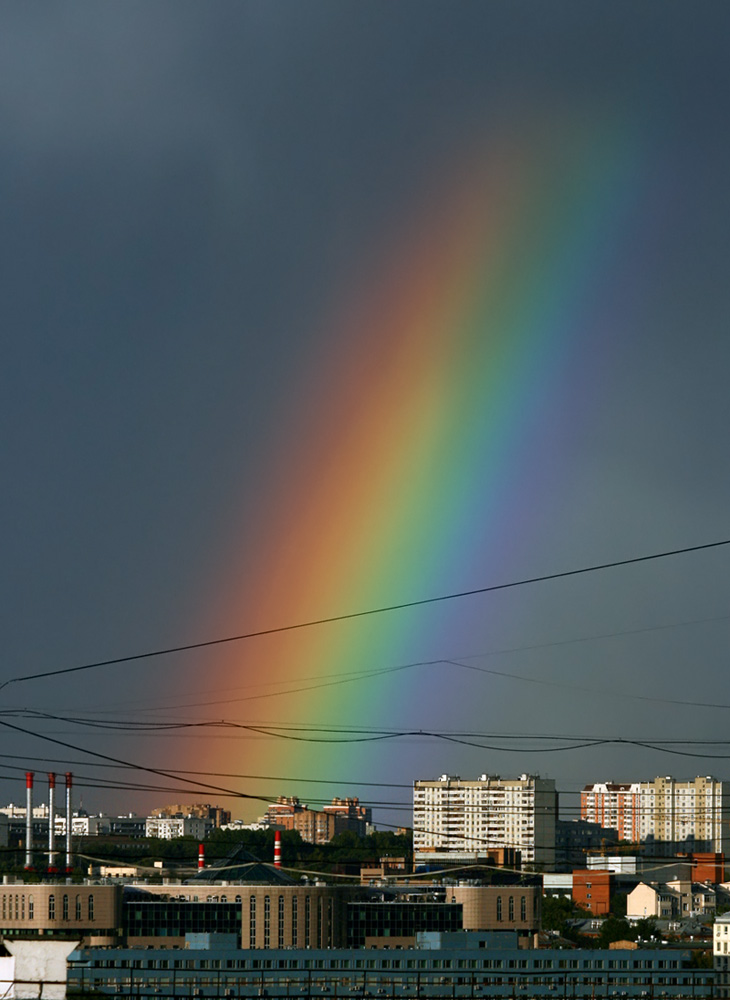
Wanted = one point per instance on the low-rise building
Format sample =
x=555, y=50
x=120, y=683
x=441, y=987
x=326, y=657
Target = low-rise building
x=677, y=899
x=441, y=965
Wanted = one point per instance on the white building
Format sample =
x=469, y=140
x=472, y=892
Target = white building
x=489, y=813
x=721, y=954
x=669, y=814
x=170, y=827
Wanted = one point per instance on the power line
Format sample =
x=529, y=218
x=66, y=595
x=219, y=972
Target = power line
x=138, y=767
x=370, y=611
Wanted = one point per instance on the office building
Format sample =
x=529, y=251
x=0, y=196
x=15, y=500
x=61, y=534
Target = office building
x=443, y=965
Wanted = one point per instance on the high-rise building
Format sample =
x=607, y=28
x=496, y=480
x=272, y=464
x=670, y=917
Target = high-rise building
x=667, y=815
x=480, y=816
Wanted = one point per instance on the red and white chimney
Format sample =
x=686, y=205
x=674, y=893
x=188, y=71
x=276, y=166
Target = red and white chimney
x=201, y=857
x=277, y=848
x=51, y=823
x=69, y=824
x=28, y=819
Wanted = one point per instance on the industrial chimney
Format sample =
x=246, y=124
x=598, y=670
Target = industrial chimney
x=69, y=782
x=201, y=857
x=28, y=820
x=51, y=823
x=277, y=848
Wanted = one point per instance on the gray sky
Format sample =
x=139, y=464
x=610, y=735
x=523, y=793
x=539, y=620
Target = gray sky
x=191, y=193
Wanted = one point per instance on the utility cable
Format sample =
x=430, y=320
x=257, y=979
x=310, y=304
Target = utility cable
x=564, y=574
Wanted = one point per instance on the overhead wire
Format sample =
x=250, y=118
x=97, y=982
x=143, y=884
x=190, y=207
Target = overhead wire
x=349, y=616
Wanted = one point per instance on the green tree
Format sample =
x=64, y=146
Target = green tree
x=615, y=929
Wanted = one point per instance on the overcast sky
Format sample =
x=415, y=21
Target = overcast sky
x=191, y=195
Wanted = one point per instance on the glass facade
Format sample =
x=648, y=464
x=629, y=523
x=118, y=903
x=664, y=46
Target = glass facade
x=399, y=920
x=176, y=919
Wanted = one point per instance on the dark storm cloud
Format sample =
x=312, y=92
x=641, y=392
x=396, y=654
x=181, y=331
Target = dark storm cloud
x=186, y=186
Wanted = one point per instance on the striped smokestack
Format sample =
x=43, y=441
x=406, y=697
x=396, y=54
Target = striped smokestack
x=28, y=819
x=51, y=823
x=201, y=857
x=277, y=849
x=69, y=782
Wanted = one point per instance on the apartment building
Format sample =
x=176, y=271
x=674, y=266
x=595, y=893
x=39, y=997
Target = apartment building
x=170, y=827
x=667, y=815
x=315, y=826
x=478, y=816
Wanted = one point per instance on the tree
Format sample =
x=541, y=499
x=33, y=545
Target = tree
x=615, y=929
x=645, y=928
x=556, y=912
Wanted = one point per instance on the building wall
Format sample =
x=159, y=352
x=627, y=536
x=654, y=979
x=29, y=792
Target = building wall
x=499, y=907
x=721, y=954
x=708, y=867
x=272, y=916
x=592, y=890
x=58, y=910
x=643, y=901
x=295, y=917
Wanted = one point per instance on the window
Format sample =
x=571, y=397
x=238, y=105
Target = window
x=51, y=907
x=252, y=922
x=64, y=910
x=31, y=907
x=512, y=908
x=91, y=906
x=281, y=922
x=294, y=916
x=523, y=908
x=499, y=908
x=267, y=921
x=78, y=907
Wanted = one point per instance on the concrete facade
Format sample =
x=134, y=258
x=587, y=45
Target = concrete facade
x=171, y=827
x=665, y=814
x=487, y=813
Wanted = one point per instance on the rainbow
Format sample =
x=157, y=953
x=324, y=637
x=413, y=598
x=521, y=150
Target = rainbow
x=403, y=461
